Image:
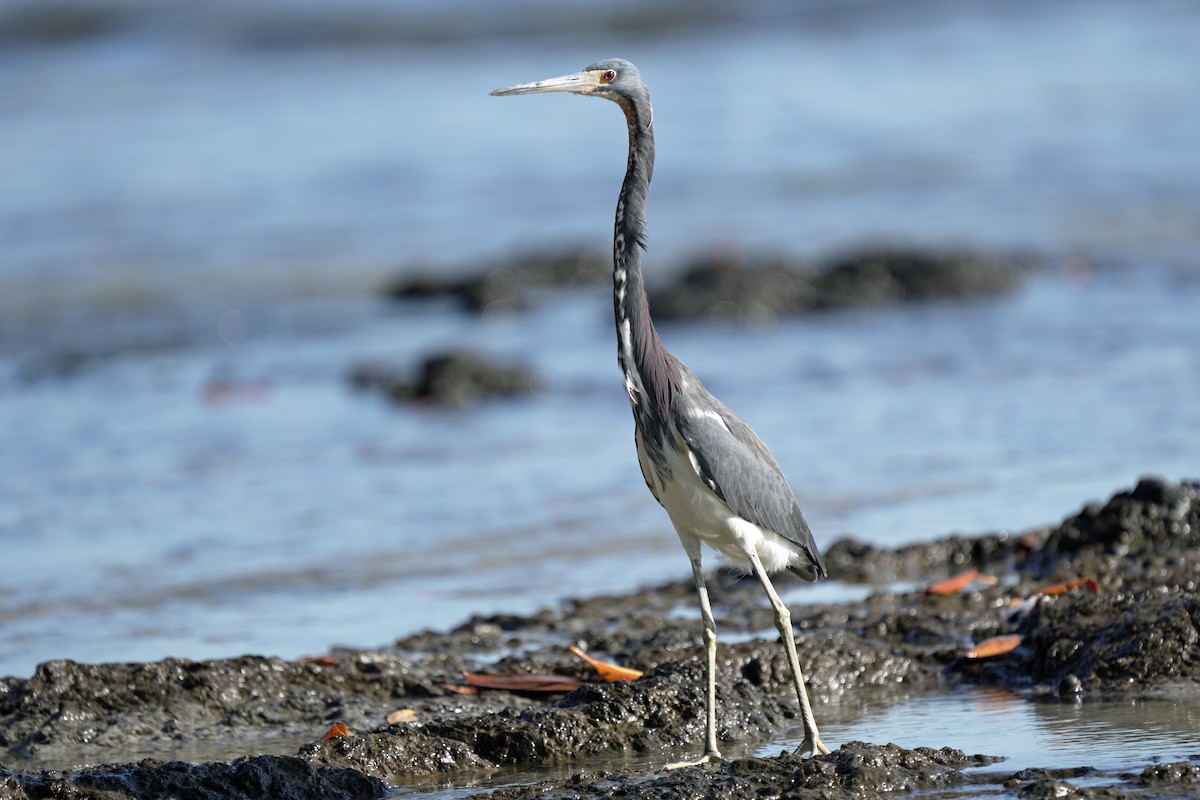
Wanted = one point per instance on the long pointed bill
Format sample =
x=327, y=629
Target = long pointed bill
x=579, y=83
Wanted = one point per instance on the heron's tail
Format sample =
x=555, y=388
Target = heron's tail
x=808, y=568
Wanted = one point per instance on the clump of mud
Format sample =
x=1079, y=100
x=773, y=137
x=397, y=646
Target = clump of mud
x=277, y=777
x=1104, y=604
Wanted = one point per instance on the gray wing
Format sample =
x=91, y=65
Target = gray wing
x=738, y=467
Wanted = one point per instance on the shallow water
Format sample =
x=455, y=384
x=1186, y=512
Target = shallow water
x=1108, y=736
x=237, y=192
x=148, y=521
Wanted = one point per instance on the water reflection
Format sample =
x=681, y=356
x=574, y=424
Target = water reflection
x=1108, y=735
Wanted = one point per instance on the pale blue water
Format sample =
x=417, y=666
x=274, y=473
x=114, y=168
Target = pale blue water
x=200, y=204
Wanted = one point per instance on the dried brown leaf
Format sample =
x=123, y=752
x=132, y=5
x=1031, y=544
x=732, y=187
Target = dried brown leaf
x=336, y=729
x=610, y=672
x=953, y=584
x=523, y=682
x=1063, y=588
x=995, y=646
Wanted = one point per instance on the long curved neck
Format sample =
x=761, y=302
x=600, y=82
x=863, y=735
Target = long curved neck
x=651, y=374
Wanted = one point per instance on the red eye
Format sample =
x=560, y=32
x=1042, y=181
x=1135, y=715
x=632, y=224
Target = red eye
x=610, y=75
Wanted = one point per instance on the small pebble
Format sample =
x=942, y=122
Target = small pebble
x=1070, y=686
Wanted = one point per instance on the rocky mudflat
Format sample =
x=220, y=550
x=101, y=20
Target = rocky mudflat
x=733, y=285
x=1103, y=605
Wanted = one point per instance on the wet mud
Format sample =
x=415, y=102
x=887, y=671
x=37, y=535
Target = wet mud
x=1105, y=605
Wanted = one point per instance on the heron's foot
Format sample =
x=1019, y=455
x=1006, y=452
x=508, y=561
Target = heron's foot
x=812, y=744
x=708, y=758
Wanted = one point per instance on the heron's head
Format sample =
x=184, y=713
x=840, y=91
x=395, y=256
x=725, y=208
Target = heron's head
x=612, y=78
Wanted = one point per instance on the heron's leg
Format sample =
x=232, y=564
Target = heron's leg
x=711, y=753
x=710, y=662
x=783, y=621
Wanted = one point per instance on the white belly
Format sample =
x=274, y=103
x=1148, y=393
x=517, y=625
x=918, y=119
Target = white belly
x=697, y=512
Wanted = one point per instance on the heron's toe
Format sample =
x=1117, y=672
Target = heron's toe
x=812, y=744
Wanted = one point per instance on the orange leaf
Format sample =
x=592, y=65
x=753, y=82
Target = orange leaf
x=995, y=646
x=610, y=672
x=953, y=584
x=336, y=729
x=523, y=682
x=1063, y=588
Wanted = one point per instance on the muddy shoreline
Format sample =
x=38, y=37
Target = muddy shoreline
x=1133, y=631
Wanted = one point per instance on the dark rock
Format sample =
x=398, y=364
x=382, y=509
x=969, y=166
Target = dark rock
x=883, y=276
x=399, y=750
x=455, y=380
x=488, y=290
x=504, y=288
x=1070, y=686
x=1154, y=511
x=58, y=365
x=733, y=286
x=1037, y=774
x=1181, y=773
x=392, y=382
x=1115, y=639
x=462, y=379
x=565, y=267
x=125, y=706
x=887, y=768
x=281, y=777
x=721, y=286
x=858, y=562
x=1047, y=789
x=422, y=286
x=60, y=22
x=855, y=769
x=498, y=290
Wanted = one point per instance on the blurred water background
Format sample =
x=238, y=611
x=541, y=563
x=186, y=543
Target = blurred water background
x=205, y=194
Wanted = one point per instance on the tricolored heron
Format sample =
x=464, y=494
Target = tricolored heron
x=718, y=482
